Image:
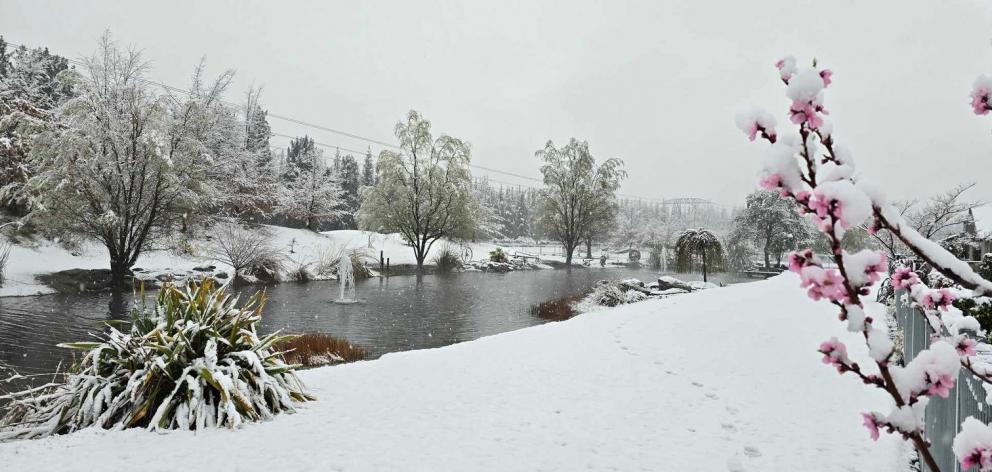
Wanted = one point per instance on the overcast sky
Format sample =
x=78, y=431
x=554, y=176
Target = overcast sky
x=655, y=83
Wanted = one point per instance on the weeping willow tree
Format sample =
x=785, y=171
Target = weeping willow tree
x=698, y=249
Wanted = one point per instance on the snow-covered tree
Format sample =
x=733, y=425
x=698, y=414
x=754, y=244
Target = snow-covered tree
x=771, y=225
x=816, y=172
x=932, y=218
x=32, y=83
x=576, y=192
x=122, y=161
x=351, y=181
x=698, y=249
x=312, y=193
x=252, y=190
x=424, y=192
x=368, y=169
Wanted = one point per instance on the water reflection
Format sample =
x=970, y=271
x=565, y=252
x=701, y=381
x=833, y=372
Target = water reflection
x=399, y=313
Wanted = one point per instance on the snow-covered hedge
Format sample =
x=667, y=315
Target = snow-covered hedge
x=191, y=360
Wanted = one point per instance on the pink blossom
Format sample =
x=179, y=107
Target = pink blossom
x=798, y=260
x=871, y=424
x=966, y=347
x=980, y=95
x=786, y=68
x=754, y=128
x=904, y=277
x=835, y=354
x=825, y=74
x=979, y=457
x=823, y=283
x=941, y=385
x=806, y=112
x=873, y=272
x=770, y=182
x=942, y=299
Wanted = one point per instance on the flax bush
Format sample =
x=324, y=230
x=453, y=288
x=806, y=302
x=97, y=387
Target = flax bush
x=189, y=361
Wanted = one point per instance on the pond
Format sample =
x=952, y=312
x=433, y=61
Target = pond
x=399, y=313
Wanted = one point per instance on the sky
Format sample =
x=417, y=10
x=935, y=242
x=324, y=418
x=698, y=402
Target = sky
x=655, y=83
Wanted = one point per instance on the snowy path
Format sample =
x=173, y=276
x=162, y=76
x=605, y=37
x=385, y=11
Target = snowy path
x=689, y=383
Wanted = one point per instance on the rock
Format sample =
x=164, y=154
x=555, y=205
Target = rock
x=205, y=268
x=220, y=275
x=164, y=277
x=667, y=282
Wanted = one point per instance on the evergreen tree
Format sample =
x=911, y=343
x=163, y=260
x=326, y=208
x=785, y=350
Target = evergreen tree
x=368, y=170
x=33, y=83
x=350, y=179
x=300, y=153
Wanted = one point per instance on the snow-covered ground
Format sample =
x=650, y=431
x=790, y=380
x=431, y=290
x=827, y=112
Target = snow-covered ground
x=26, y=262
x=720, y=380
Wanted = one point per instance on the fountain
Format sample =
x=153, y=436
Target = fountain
x=346, y=279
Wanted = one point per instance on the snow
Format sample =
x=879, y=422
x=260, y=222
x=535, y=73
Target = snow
x=639, y=387
x=26, y=262
x=983, y=220
x=805, y=86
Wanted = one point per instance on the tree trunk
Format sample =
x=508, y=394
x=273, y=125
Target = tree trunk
x=704, y=265
x=420, y=253
x=118, y=271
x=768, y=263
x=589, y=249
x=568, y=254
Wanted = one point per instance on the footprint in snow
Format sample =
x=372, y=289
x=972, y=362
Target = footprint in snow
x=697, y=384
x=712, y=396
x=734, y=465
x=751, y=451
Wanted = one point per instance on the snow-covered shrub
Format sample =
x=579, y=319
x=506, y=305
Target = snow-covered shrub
x=818, y=174
x=613, y=293
x=191, y=360
x=497, y=255
x=4, y=258
x=245, y=248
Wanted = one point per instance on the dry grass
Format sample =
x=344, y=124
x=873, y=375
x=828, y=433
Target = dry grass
x=557, y=309
x=318, y=349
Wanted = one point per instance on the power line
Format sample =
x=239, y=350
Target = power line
x=690, y=201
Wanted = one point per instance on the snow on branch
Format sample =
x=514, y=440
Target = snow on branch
x=817, y=174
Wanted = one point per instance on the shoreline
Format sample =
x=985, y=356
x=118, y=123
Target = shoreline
x=64, y=282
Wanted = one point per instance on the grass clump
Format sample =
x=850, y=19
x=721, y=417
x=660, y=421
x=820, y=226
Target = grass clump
x=558, y=309
x=447, y=260
x=191, y=360
x=318, y=349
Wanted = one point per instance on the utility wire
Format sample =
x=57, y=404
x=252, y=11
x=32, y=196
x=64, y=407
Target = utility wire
x=694, y=201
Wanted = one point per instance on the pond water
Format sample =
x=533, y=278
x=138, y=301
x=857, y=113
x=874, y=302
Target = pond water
x=398, y=313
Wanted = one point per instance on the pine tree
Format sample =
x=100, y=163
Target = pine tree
x=368, y=170
x=350, y=178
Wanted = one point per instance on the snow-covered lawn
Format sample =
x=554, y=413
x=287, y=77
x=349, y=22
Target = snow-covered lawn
x=690, y=383
x=27, y=262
